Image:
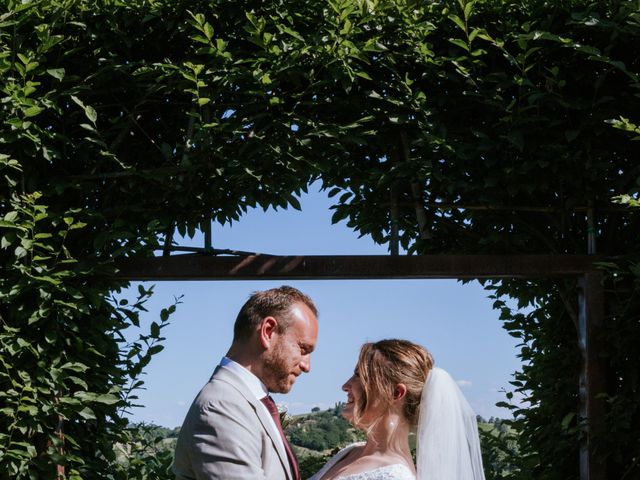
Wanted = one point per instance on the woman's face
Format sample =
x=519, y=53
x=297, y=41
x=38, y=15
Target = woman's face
x=354, y=389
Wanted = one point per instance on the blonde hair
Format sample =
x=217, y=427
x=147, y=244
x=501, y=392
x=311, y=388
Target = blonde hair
x=383, y=365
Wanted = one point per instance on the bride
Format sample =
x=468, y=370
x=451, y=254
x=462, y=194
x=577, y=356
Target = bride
x=394, y=389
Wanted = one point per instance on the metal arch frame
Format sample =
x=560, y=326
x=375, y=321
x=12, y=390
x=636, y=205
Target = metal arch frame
x=583, y=268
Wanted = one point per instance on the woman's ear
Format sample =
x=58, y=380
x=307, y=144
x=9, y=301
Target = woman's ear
x=268, y=328
x=400, y=391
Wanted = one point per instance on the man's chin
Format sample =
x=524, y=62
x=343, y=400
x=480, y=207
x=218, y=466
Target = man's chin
x=284, y=387
x=287, y=388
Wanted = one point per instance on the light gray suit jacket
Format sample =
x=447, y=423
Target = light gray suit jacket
x=228, y=435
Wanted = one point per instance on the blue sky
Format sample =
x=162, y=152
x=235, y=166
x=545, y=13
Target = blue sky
x=454, y=321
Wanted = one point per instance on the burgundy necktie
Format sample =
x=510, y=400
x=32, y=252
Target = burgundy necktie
x=273, y=410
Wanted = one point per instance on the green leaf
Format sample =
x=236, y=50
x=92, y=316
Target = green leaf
x=346, y=28
x=156, y=349
x=571, y=135
x=33, y=111
x=468, y=8
x=566, y=421
x=458, y=21
x=78, y=381
x=293, y=201
x=208, y=31
x=105, y=398
x=30, y=409
x=57, y=73
x=92, y=115
x=460, y=43
x=155, y=330
x=291, y=32
x=88, y=110
x=75, y=366
x=87, y=414
x=200, y=39
x=11, y=216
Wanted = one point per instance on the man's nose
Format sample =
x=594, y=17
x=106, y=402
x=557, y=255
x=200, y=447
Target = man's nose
x=305, y=363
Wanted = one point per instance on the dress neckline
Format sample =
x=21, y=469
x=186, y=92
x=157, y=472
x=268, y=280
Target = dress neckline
x=347, y=450
x=377, y=469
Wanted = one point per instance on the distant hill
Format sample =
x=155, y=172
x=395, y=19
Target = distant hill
x=321, y=431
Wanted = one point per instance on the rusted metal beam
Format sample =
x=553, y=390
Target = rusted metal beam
x=317, y=267
x=592, y=374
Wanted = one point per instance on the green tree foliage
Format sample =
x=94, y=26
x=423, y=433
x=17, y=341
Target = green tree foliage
x=68, y=374
x=311, y=464
x=146, y=454
x=465, y=126
x=104, y=147
x=499, y=444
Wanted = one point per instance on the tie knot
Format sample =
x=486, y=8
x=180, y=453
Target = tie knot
x=271, y=406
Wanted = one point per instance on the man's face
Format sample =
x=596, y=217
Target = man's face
x=290, y=354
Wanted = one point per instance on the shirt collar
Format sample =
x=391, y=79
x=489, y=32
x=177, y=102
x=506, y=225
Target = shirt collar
x=253, y=383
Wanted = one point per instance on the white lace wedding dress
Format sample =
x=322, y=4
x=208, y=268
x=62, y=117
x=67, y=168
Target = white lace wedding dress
x=396, y=471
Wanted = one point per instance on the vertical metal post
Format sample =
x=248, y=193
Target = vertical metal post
x=394, y=242
x=592, y=376
x=591, y=230
x=206, y=228
x=168, y=240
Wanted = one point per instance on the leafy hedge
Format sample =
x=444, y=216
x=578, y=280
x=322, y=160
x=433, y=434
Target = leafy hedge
x=123, y=121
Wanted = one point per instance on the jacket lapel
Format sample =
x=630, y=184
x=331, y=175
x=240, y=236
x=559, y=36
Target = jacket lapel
x=265, y=419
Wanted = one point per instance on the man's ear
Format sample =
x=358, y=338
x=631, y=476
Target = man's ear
x=268, y=328
x=400, y=391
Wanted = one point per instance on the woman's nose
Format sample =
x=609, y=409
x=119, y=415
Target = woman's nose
x=347, y=385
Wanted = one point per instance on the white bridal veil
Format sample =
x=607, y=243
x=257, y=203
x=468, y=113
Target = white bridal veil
x=448, y=446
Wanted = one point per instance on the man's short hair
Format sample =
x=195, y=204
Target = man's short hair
x=275, y=302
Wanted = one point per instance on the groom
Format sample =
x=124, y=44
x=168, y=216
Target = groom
x=232, y=430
